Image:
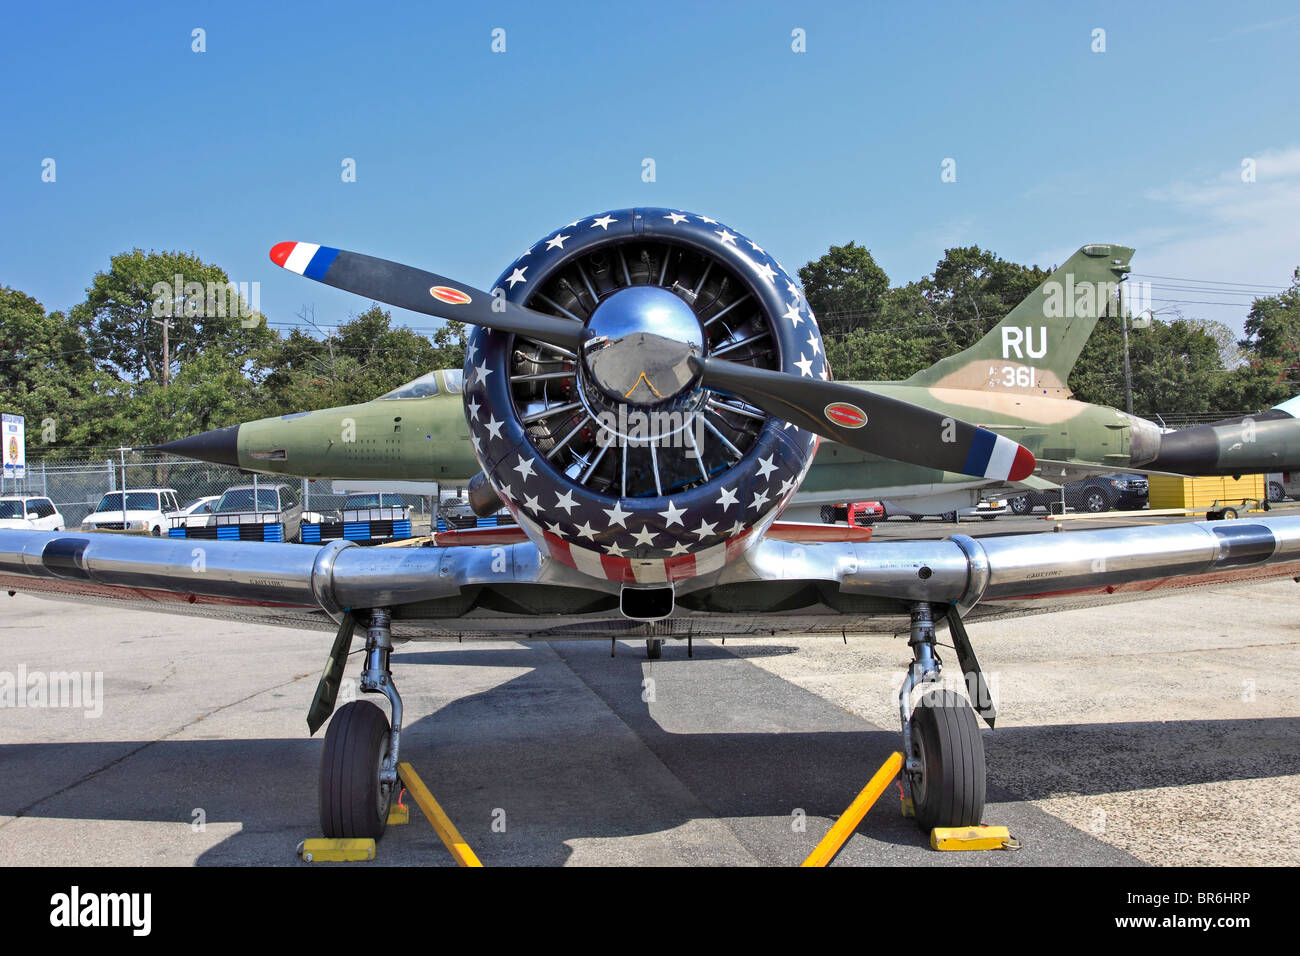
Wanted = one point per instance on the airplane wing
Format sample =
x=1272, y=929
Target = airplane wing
x=778, y=586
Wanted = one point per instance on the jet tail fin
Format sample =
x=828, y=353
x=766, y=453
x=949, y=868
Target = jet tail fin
x=1034, y=348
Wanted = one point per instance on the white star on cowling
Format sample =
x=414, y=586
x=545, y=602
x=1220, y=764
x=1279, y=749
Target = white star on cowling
x=766, y=271
x=473, y=440
x=678, y=549
x=765, y=466
x=825, y=374
x=469, y=352
x=805, y=365
x=483, y=372
x=760, y=499
x=604, y=222
x=705, y=529
x=614, y=549
x=794, y=289
x=756, y=247
x=573, y=224
x=494, y=427
x=727, y=498
x=617, y=516
x=525, y=467
x=785, y=487
x=815, y=343
x=566, y=502
x=554, y=529
x=532, y=504
x=473, y=407
x=673, y=515
x=506, y=492
x=736, y=528
x=676, y=217
x=711, y=222
x=517, y=276
x=645, y=537
x=585, y=530
x=792, y=313
x=557, y=241
x=726, y=236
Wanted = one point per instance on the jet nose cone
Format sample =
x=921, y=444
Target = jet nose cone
x=220, y=446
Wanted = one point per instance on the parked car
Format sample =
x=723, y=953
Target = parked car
x=457, y=513
x=37, y=514
x=990, y=508
x=246, y=513
x=201, y=506
x=1096, y=493
x=140, y=511
x=1283, y=485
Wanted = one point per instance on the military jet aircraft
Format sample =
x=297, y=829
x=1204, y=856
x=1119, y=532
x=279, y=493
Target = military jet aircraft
x=645, y=390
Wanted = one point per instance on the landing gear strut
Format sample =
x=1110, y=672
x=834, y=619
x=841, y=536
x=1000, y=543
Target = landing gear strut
x=358, y=770
x=943, y=752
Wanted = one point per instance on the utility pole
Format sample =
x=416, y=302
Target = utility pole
x=167, y=359
x=1128, y=378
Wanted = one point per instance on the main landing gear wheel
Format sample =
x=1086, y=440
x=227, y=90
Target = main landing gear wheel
x=353, y=800
x=654, y=648
x=948, y=791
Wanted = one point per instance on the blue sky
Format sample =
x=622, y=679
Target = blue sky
x=464, y=156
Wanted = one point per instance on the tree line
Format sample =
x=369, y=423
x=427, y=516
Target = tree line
x=93, y=377
x=875, y=331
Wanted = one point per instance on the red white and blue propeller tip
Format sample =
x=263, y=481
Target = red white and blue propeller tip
x=305, y=258
x=993, y=456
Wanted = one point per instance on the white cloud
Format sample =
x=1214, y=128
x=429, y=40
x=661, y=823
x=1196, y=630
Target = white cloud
x=1221, y=230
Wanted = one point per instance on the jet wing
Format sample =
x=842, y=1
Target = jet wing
x=778, y=586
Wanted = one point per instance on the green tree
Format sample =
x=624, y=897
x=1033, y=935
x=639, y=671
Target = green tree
x=844, y=288
x=48, y=377
x=362, y=359
x=125, y=306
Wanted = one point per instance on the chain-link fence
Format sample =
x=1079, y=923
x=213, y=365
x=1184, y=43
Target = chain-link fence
x=76, y=485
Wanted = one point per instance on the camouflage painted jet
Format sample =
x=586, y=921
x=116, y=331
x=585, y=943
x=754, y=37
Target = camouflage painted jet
x=646, y=391
x=1013, y=382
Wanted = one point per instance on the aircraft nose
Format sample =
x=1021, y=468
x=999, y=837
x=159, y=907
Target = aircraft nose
x=219, y=446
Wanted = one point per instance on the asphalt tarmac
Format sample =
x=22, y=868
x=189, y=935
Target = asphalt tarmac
x=1159, y=732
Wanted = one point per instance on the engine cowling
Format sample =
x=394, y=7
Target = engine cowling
x=613, y=458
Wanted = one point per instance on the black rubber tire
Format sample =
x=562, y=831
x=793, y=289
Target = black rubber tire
x=989, y=517
x=654, y=648
x=828, y=514
x=1020, y=505
x=1275, y=492
x=916, y=517
x=156, y=532
x=352, y=803
x=946, y=738
x=1228, y=514
x=1094, y=501
x=950, y=517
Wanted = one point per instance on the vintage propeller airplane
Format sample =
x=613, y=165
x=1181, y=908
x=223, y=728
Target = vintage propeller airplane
x=646, y=390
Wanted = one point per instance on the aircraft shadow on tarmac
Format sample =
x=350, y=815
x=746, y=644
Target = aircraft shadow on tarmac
x=570, y=750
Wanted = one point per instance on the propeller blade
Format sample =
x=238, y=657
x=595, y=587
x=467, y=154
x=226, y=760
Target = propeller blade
x=871, y=422
x=426, y=292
